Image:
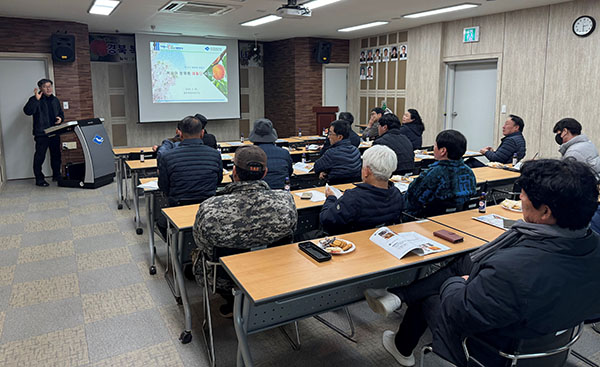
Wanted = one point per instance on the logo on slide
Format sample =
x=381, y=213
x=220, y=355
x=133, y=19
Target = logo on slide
x=98, y=139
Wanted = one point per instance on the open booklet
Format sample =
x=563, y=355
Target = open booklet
x=304, y=167
x=496, y=221
x=400, y=244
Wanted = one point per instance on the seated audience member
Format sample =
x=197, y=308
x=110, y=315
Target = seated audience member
x=191, y=171
x=413, y=127
x=354, y=138
x=279, y=161
x=447, y=183
x=373, y=202
x=248, y=214
x=208, y=139
x=169, y=143
x=371, y=131
x=341, y=162
x=512, y=142
x=391, y=136
x=537, y=278
x=575, y=145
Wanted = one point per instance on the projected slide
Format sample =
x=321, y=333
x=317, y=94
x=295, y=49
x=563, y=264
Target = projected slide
x=188, y=73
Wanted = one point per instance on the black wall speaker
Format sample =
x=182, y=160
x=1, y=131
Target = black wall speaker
x=63, y=47
x=323, y=52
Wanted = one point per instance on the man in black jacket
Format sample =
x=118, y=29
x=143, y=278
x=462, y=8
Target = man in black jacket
x=536, y=279
x=47, y=112
x=279, y=161
x=208, y=139
x=191, y=171
x=390, y=135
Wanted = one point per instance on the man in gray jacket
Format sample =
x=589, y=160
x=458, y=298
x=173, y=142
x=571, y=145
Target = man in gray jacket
x=575, y=145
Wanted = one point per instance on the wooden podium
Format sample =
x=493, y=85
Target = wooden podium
x=325, y=116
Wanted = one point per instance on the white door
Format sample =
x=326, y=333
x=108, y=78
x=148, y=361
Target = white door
x=335, y=86
x=471, y=102
x=19, y=77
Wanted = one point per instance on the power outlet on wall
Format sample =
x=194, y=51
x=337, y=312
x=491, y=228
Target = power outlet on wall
x=65, y=105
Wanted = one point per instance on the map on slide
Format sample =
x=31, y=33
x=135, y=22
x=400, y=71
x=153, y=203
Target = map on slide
x=188, y=73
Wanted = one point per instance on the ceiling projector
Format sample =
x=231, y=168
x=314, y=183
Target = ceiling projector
x=293, y=10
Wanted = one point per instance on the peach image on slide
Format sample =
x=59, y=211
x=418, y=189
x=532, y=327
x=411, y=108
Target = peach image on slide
x=218, y=72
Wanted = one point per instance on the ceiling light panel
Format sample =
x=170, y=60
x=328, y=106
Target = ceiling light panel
x=362, y=26
x=447, y=9
x=318, y=3
x=261, y=21
x=103, y=7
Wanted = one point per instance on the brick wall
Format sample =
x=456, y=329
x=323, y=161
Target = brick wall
x=294, y=82
x=278, y=62
x=73, y=80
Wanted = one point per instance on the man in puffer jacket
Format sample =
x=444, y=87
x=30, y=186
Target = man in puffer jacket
x=341, y=163
x=575, y=145
x=390, y=136
x=513, y=142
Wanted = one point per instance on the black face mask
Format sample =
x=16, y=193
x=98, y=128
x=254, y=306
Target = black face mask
x=558, y=139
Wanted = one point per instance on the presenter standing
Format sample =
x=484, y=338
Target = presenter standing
x=46, y=111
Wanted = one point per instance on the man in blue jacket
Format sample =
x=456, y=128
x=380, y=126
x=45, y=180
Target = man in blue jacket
x=513, y=142
x=373, y=202
x=340, y=163
x=191, y=171
x=47, y=112
x=279, y=161
x=538, y=278
x=353, y=136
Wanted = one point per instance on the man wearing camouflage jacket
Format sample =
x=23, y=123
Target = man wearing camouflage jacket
x=248, y=215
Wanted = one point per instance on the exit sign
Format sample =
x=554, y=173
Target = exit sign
x=471, y=34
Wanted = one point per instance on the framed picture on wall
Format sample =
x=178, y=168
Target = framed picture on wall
x=363, y=56
x=403, y=52
x=369, y=56
x=385, y=54
x=394, y=53
x=369, y=72
x=363, y=73
x=377, y=57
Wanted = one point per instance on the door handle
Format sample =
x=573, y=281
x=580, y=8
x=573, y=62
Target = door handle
x=454, y=114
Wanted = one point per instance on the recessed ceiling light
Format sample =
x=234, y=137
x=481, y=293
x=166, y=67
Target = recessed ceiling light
x=260, y=21
x=103, y=7
x=318, y=3
x=442, y=10
x=362, y=26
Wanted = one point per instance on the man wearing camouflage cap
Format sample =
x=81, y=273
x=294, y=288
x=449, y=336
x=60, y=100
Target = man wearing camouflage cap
x=248, y=214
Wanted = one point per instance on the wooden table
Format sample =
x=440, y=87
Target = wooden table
x=464, y=222
x=121, y=155
x=483, y=174
x=282, y=284
x=303, y=173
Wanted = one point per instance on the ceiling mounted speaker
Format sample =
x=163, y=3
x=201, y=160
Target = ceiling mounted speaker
x=323, y=52
x=63, y=47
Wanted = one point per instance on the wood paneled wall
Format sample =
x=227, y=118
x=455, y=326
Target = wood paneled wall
x=546, y=72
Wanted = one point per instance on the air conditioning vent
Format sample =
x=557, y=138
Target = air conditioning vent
x=197, y=8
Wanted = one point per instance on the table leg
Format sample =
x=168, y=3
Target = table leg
x=244, y=358
x=119, y=174
x=186, y=335
x=150, y=220
x=136, y=202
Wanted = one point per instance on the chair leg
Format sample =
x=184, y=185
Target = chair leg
x=596, y=327
x=209, y=340
x=296, y=344
x=424, y=350
x=583, y=359
x=337, y=329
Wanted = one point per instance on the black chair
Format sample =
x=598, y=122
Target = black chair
x=551, y=350
x=428, y=148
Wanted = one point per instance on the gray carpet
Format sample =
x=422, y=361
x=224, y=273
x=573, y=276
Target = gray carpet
x=75, y=291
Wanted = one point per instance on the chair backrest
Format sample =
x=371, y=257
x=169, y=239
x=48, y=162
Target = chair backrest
x=549, y=350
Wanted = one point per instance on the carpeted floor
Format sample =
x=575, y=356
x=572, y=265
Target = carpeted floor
x=75, y=291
